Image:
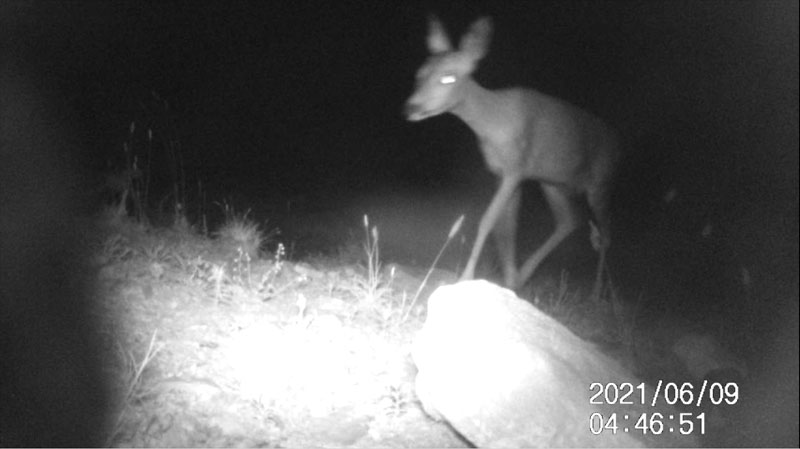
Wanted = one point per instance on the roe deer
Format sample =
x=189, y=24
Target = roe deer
x=523, y=135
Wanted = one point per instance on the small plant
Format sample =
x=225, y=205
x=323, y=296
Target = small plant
x=131, y=182
x=199, y=268
x=563, y=304
x=373, y=284
x=453, y=231
x=160, y=253
x=243, y=232
x=218, y=278
x=210, y=274
x=396, y=400
x=302, y=320
x=241, y=268
x=267, y=284
x=180, y=221
x=116, y=248
x=134, y=382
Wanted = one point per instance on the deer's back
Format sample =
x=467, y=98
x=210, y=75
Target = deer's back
x=550, y=140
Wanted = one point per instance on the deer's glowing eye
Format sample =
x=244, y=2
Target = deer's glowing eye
x=447, y=79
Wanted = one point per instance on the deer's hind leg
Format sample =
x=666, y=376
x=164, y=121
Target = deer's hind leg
x=598, y=199
x=566, y=220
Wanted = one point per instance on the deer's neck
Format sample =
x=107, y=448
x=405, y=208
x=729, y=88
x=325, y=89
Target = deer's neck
x=481, y=109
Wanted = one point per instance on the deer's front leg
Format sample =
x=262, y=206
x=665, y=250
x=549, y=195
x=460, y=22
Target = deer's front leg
x=505, y=234
x=508, y=186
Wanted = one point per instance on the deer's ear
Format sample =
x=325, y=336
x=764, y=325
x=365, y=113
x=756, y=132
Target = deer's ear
x=438, y=42
x=476, y=40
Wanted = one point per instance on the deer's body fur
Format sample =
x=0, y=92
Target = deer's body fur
x=523, y=135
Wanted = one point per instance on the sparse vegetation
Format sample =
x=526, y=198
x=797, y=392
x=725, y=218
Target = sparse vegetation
x=179, y=276
x=132, y=377
x=374, y=286
x=188, y=277
x=190, y=280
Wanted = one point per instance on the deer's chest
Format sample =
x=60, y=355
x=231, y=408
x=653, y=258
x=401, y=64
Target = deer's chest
x=503, y=155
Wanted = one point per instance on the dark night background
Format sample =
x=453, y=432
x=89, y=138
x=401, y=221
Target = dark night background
x=295, y=107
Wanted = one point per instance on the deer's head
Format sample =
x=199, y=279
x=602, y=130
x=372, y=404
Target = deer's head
x=441, y=79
